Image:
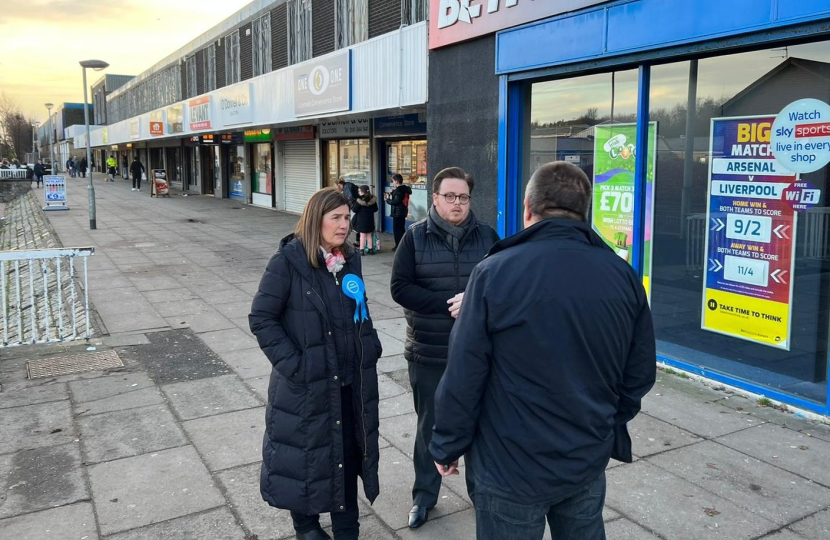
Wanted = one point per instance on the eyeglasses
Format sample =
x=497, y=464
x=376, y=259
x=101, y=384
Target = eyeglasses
x=452, y=197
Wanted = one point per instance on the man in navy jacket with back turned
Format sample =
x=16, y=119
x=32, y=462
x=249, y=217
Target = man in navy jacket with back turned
x=549, y=358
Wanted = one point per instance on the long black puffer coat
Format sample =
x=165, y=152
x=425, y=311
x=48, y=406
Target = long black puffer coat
x=303, y=442
x=364, y=209
x=426, y=273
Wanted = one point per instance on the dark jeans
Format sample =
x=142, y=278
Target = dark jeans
x=398, y=228
x=424, y=381
x=137, y=181
x=344, y=524
x=578, y=517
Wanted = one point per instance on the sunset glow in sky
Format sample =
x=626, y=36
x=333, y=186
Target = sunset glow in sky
x=42, y=41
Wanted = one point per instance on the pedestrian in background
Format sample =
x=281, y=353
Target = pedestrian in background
x=349, y=189
x=39, y=171
x=399, y=202
x=125, y=170
x=70, y=167
x=82, y=166
x=321, y=424
x=365, y=207
x=429, y=276
x=111, y=169
x=551, y=354
x=137, y=169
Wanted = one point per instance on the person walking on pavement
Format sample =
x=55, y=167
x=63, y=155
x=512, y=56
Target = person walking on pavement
x=321, y=425
x=70, y=167
x=82, y=167
x=399, y=202
x=546, y=367
x=111, y=169
x=40, y=170
x=125, y=170
x=137, y=169
x=429, y=276
x=365, y=208
x=350, y=190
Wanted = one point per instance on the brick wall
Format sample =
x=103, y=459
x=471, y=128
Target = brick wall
x=322, y=27
x=384, y=16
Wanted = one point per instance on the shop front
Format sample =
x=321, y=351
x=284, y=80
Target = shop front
x=262, y=173
x=402, y=149
x=708, y=146
x=347, y=151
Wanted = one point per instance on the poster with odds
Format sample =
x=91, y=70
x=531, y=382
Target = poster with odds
x=750, y=237
x=613, y=203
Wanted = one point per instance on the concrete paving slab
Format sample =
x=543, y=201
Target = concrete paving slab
x=396, y=406
x=41, y=478
x=223, y=296
x=175, y=356
x=768, y=491
x=651, y=436
x=790, y=450
x=116, y=282
x=132, y=399
x=218, y=524
x=400, y=431
x=154, y=282
x=151, y=488
x=248, y=363
x=132, y=322
x=115, y=306
x=209, y=321
x=260, y=387
x=234, y=310
x=391, y=346
x=170, y=295
x=125, y=340
x=228, y=340
x=177, y=308
x=456, y=526
x=18, y=395
x=74, y=522
x=401, y=376
x=109, y=386
x=36, y=426
x=702, y=418
x=668, y=383
x=242, y=324
x=371, y=528
x=814, y=526
x=209, y=397
x=380, y=312
x=229, y=440
x=396, y=478
x=241, y=485
x=395, y=328
x=120, y=434
x=392, y=363
x=677, y=509
x=622, y=529
x=388, y=388
x=783, y=534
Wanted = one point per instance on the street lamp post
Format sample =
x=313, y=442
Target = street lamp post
x=51, y=149
x=97, y=65
x=35, y=148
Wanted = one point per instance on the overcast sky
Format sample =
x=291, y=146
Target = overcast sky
x=42, y=41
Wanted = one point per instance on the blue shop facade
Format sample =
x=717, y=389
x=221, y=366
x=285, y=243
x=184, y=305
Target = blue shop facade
x=705, y=127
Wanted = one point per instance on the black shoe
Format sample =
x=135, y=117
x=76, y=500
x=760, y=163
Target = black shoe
x=418, y=516
x=316, y=534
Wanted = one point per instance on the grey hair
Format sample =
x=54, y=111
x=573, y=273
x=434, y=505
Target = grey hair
x=559, y=189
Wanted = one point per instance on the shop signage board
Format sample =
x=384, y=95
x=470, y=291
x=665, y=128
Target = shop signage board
x=257, y=135
x=105, y=135
x=157, y=123
x=235, y=105
x=400, y=126
x=175, y=119
x=231, y=138
x=54, y=192
x=800, y=136
x=323, y=86
x=358, y=128
x=158, y=185
x=199, y=109
x=135, y=129
x=750, y=237
x=613, y=203
x=452, y=21
x=294, y=133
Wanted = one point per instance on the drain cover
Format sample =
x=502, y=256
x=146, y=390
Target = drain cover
x=64, y=365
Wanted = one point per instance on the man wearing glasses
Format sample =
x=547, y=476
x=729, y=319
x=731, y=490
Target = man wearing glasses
x=429, y=275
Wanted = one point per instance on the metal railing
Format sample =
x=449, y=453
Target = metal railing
x=14, y=173
x=40, y=299
x=695, y=241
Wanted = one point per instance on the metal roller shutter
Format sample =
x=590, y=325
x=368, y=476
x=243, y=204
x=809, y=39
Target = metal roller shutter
x=300, y=165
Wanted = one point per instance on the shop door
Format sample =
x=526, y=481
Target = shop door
x=195, y=170
x=262, y=177
x=208, y=164
x=409, y=159
x=300, y=173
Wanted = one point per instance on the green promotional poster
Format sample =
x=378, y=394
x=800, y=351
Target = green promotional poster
x=613, y=211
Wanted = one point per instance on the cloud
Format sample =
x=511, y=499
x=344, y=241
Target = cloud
x=62, y=11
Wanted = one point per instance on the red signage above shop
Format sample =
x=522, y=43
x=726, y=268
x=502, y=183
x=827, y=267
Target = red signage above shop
x=199, y=113
x=156, y=128
x=452, y=21
x=294, y=133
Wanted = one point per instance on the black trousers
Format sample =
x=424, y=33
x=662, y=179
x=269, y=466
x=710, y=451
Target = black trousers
x=424, y=381
x=137, y=181
x=398, y=228
x=344, y=524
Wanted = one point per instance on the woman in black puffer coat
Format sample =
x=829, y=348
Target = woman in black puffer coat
x=365, y=207
x=321, y=423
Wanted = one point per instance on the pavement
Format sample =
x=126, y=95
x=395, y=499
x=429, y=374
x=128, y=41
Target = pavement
x=168, y=447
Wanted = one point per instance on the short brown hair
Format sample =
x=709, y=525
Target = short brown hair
x=309, y=228
x=452, y=172
x=341, y=181
x=559, y=189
